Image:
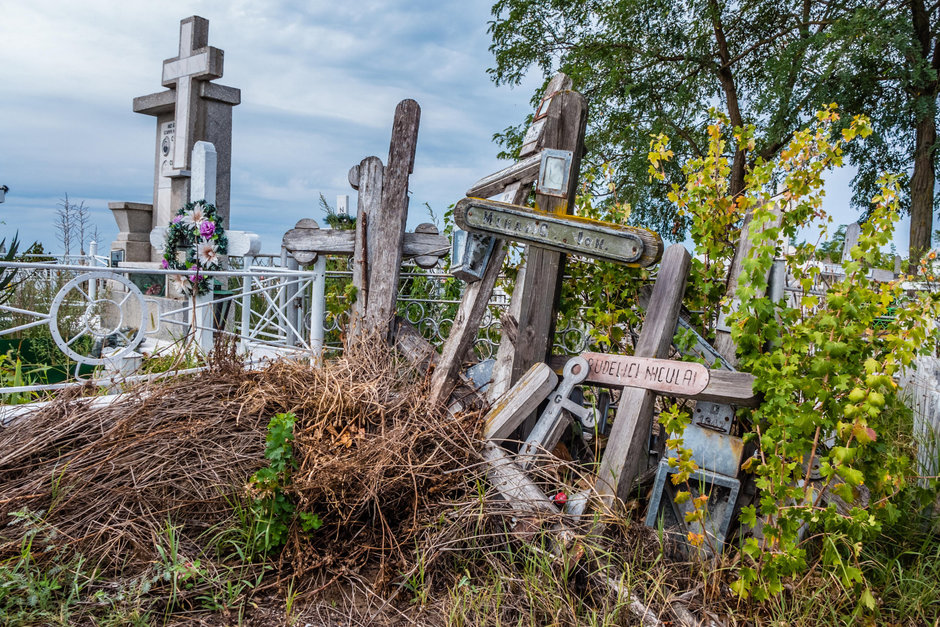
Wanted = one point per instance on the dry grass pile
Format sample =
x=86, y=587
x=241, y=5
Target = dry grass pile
x=372, y=457
x=106, y=480
x=375, y=461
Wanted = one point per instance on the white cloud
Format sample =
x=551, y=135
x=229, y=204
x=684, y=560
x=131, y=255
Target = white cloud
x=319, y=80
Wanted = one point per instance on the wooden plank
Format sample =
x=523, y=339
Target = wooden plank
x=410, y=343
x=320, y=241
x=626, y=454
x=723, y=342
x=387, y=228
x=366, y=178
x=524, y=172
x=627, y=245
x=666, y=376
x=470, y=313
x=524, y=398
x=332, y=242
x=537, y=293
x=513, y=484
x=476, y=297
x=727, y=387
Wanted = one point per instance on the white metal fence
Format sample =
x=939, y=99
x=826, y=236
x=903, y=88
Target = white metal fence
x=101, y=316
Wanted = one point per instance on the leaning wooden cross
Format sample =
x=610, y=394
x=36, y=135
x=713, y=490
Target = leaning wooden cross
x=550, y=160
x=641, y=376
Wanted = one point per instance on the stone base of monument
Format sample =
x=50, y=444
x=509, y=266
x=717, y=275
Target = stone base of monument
x=134, y=220
x=160, y=323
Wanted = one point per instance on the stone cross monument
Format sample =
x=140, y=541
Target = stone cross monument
x=192, y=109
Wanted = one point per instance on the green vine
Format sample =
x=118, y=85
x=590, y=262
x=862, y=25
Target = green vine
x=826, y=359
x=274, y=511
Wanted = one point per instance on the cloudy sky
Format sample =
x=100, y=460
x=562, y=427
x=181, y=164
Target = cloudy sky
x=319, y=82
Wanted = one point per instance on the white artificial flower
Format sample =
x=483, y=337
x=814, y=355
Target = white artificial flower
x=208, y=254
x=181, y=283
x=194, y=217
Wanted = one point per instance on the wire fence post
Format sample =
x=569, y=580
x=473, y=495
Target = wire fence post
x=246, y=303
x=318, y=309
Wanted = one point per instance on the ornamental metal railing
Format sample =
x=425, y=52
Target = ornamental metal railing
x=101, y=317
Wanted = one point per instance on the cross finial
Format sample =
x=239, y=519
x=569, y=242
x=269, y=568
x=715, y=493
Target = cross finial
x=194, y=34
x=196, y=61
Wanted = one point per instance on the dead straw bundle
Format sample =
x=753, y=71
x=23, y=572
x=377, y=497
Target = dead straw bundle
x=371, y=458
x=106, y=480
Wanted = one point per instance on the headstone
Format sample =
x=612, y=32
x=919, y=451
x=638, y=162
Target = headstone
x=192, y=109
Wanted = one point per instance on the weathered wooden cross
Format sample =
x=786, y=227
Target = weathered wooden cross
x=379, y=242
x=550, y=160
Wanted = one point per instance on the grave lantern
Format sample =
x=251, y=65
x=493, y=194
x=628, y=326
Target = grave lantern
x=470, y=254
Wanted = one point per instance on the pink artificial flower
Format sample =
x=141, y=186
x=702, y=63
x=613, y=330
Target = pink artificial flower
x=206, y=228
x=194, y=278
x=164, y=264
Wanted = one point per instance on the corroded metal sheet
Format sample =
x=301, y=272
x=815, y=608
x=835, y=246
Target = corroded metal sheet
x=567, y=234
x=660, y=375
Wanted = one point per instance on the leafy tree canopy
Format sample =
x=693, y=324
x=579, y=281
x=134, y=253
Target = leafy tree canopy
x=658, y=66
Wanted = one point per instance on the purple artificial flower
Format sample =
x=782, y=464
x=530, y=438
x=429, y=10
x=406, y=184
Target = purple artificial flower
x=177, y=219
x=164, y=264
x=194, y=278
x=206, y=228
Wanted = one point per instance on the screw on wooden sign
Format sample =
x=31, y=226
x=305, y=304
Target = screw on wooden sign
x=569, y=234
x=660, y=375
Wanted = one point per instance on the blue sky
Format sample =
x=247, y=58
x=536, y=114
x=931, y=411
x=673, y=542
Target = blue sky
x=319, y=81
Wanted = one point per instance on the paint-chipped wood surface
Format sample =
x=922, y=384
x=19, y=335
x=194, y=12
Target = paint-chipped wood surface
x=508, y=412
x=627, y=447
x=536, y=294
x=659, y=375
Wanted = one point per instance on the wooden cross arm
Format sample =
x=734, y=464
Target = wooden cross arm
x=333, y=242
x=524, y=172
x=727, y=387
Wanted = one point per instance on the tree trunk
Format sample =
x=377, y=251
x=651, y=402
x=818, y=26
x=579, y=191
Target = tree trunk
x=922, y=183
x=925, y=130
x=726, y=78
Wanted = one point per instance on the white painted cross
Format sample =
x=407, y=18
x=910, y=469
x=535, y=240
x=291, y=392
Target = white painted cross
x=205, y=161
x=197, y=61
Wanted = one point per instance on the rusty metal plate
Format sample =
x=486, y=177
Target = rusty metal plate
x=711, y=450
x=660, y=375
x=566, y=234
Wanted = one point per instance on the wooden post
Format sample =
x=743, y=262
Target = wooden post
x=626, y=452
x=536, y=296
x=467, y=321
x=366, y=178
x=387, y=227
x=515, y=189
x=723, y=342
